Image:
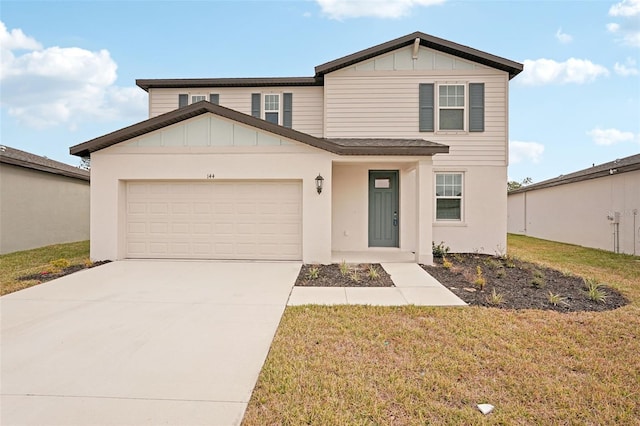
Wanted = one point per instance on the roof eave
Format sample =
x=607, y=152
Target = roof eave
x=446, y=46
x=172, y=83
x=42, y=168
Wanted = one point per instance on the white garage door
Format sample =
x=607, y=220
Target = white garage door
x=214, y=220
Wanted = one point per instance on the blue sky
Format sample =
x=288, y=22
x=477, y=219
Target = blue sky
x=68, y=69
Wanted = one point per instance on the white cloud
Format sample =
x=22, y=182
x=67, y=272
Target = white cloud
x=627, y=69
x=46, y=87
x=341, y=9
x=547, y=71
x=629, y=30
x=625, y=8
x=521, y=151
x=563, y=38
x=611, y=136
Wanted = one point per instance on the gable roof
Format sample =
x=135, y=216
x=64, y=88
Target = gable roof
x=621, y=165
x=435, y=43
x=335, y=146
x=27, y=160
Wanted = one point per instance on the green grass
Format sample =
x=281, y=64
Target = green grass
x=21, y=263
x=362, y=365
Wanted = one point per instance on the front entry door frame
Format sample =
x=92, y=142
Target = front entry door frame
x=384, y=213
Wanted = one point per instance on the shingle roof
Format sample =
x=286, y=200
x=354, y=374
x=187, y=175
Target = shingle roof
x=621, y=165
x=27, y=160
x=417, y=147
x=435, y=43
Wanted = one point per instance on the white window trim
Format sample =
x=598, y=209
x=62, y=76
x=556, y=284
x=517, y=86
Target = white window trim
x=191, y=96
x=456, y=222
x=264, y=110
x=465, y=108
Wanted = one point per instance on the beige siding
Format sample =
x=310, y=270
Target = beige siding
x=379, y=98
x=307, y=102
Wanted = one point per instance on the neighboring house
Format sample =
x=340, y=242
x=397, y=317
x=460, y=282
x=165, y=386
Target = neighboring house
x=409, y=138
x=42, y=201
x=595, y=207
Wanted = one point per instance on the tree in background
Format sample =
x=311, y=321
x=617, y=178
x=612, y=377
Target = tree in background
x=512, y=184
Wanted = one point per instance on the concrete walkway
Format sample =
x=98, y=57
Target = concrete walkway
x=413, y=286
x=140, y=343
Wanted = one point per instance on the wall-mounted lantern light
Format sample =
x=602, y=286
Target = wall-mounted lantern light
x=319, y=183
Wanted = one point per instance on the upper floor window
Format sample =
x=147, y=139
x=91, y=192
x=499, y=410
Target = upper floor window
x=272, y=108
x=451, y=107
x=198, y=98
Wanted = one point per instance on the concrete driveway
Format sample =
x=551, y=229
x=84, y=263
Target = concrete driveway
x=140, y=343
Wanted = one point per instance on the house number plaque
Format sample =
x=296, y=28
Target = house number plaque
x=210, y=176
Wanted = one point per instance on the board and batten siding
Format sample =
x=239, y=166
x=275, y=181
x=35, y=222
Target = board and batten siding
x=307, y=102
x=385, y=104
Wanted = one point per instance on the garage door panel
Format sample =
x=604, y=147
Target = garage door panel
x=214, y=220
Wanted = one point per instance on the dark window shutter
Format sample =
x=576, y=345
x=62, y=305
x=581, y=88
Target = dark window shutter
x=255, y=105
x=287, y=108
x=476, y=107
x=425, y=102
x=214, y=98
x=183, y=100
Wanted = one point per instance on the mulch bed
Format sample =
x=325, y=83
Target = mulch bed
x=330, y=276
x=45, y=276
x=513, y=279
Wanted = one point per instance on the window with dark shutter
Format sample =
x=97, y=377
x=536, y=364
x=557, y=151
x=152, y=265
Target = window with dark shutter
x=183, y=100
x=476, y=107
x=287, y=108
x=425, y=102
x=255, y=105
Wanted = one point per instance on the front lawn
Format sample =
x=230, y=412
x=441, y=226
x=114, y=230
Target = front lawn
x=32, y=262
x=424, y=365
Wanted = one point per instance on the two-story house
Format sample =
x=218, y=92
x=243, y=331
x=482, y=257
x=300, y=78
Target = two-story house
x=389, y=148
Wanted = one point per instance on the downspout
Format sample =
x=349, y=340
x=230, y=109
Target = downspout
x=635, y=213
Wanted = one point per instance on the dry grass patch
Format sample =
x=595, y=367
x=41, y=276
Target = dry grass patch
x=36, y=261
x=420, y=365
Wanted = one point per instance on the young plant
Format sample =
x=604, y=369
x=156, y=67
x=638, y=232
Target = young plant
x=480, y=281
x=538, y=280
x=313, y=273
x=556, y=299
x=372, y=273
x=594, y=291
x=88, y=263
x=509, y=261
x=501, y=273
x=59, y=265
x=439, y=250
x=344, y=268
x=446, y=264
x=495, y=299
x=355, y=276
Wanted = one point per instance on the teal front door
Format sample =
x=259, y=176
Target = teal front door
x=383, y=208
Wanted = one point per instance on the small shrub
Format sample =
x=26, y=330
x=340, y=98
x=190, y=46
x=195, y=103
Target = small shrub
x=344, y=268
x=87, y=263
x=480, y=280
x=493, y=264
x=538, y=280
x=439, y=250
x=355, y=276
x=313, y=273
x=58, y=265
x=509, y=261
x=556, y=299
x=495, y=299
x=501, y=273
x=594, y=291
x=372, y=273
x=446, y=264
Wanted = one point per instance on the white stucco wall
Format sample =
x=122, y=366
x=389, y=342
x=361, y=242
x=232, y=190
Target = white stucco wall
x=577, y=213
x=484, y=225
x=181, y=152
x=38, y=209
